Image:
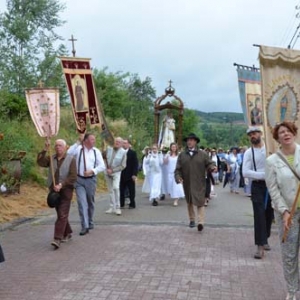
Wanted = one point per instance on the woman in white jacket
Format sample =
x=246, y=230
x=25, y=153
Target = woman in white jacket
x=282, y=185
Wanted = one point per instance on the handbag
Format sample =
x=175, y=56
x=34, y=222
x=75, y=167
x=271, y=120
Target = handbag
x=53, y=199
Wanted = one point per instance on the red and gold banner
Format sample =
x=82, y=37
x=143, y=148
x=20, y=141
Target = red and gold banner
x=280, y=75
x=78, y=75
x=43, y=105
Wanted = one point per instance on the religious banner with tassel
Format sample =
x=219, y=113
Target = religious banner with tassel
x=43, y=105
x=79, y=80
x=280, y=74
x=44, y=108
x=250, y=94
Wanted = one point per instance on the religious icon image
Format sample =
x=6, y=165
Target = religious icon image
x=256, y=111
x=167, y=131
x=283, y=105
x=80, y=92
x=44, y=109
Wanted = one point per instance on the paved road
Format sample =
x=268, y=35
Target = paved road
x=146, y=254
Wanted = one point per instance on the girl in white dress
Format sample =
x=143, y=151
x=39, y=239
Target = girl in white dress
x=146, y=184
x=174, y=190
x=154, y=161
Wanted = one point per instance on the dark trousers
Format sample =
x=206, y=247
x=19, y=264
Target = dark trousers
x=130, y=185
x=62, y=226
x=263, y=213
x=2, y=259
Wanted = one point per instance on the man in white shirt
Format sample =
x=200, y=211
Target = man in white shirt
x=89, y=162
x=116, y=162
x=254, y=168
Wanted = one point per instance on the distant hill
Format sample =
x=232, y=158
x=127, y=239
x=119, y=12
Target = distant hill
x=221, y=117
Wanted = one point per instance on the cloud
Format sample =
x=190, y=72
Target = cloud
x=192, y=42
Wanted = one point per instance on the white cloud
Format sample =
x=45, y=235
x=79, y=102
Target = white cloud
x=192, y=42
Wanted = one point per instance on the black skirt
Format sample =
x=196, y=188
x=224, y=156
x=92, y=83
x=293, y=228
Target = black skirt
x=1, y=255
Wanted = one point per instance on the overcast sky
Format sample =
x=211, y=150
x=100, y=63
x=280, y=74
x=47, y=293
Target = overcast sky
x=192, y=42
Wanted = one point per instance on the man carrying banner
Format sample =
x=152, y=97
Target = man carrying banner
x=64, y=169
x=89, y=163
x=254, y=168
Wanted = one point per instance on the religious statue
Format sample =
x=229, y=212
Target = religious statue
x=167, y=132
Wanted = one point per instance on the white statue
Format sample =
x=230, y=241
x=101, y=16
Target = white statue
x=167, y=131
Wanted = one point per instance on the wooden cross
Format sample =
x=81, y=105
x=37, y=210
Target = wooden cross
x=73, y=45
x=41, y=83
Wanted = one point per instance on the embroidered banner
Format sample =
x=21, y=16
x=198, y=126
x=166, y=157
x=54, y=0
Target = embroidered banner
x=280, y=73
x=43, y=105
x=79, y=80
x=250, y=94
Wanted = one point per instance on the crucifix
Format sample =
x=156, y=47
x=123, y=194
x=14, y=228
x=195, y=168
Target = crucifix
x=73, y=45
x=170, y=83
x=41, y=83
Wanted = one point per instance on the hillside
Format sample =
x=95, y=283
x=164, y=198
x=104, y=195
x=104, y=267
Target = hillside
x=220, y=117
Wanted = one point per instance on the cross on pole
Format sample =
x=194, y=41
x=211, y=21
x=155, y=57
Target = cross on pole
x=41, y=83
x=73, y=45
x=170, y=82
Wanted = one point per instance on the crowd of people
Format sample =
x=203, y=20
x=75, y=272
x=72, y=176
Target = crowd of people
x=190, y=174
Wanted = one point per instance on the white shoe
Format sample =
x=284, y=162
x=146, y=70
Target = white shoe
x=118, y=212
x=175, y=202
x=110, y=211
x=290, y=297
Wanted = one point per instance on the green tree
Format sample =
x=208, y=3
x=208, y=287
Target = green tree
x=27, y=39
x=112, y=92
x=141, y=99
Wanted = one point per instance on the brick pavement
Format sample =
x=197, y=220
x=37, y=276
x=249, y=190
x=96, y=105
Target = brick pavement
x=138, y=262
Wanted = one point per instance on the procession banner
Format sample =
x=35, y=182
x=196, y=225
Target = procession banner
x=79, y=80
x=250, y=95
x=280, y=74
x=43, y=105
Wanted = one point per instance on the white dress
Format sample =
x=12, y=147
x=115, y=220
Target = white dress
x=164, y=179
x=154, y=174
x=174, y=190
x=146, y=184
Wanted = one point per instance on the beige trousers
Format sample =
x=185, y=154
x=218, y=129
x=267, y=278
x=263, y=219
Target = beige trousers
x=200, y=213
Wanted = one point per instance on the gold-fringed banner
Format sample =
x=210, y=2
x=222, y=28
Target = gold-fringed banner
x=79, y=80
x=43, y=105
x=280, y=75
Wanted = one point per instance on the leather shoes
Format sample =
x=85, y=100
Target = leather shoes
x=259, y=254
x=154, y=203
x=84, y=231
x=192, y=224
x=200, y=227
x=131, y=207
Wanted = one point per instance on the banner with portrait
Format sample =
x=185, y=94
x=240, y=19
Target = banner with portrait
x=250, y=95
x=280, y=74
x=79, y=80
x=43, y=105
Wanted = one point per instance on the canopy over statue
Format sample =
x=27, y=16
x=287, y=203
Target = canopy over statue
x=166, y=131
